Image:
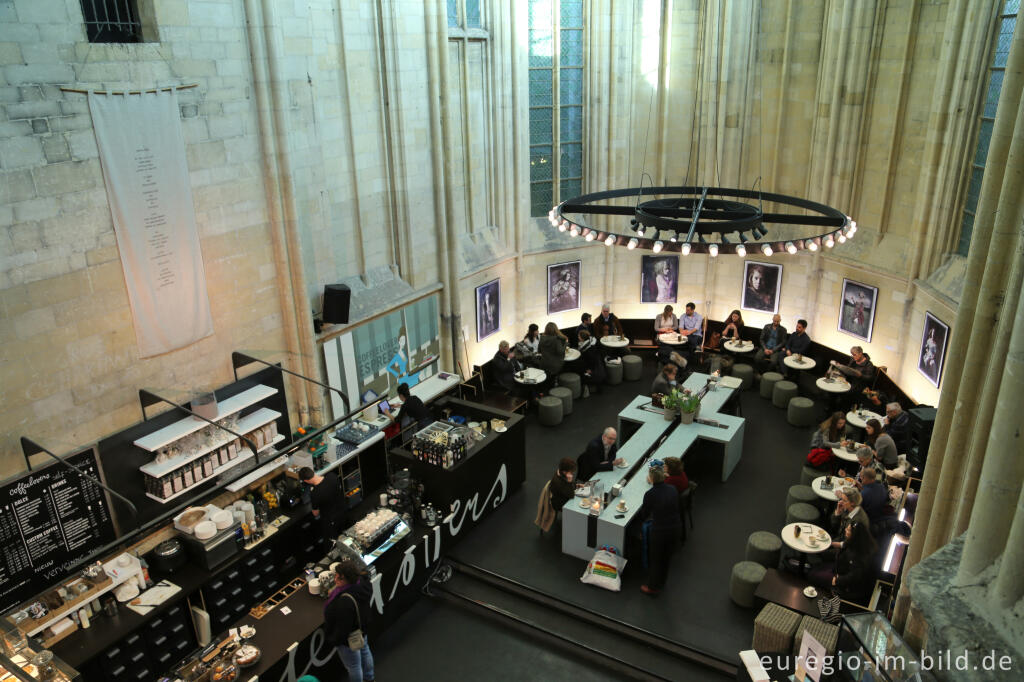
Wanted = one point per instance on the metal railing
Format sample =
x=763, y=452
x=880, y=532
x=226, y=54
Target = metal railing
x=112, y=21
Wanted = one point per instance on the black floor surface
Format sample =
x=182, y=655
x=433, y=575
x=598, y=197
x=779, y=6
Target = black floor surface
x=694, y=609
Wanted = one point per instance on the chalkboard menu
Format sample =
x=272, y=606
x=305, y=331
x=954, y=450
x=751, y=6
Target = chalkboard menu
x=51, y=521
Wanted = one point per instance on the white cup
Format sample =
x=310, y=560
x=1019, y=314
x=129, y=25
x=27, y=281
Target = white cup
x=314, y=586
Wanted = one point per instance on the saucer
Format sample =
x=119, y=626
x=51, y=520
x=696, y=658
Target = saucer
x=810, y=592
x=501, y=429
x=621, y=508
x=585, y=502
x=621, y=466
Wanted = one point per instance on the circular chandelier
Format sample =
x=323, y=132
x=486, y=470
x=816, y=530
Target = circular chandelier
x=698, y=219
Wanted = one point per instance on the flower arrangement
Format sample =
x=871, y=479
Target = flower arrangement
x=690, y=403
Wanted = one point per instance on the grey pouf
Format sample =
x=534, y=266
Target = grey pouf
x=745, y=373
x=571, y=380
x=632, y=367
x=801, y=411
x=801, y=493
x=774, y=628
x=809, y=473
x=549, y=411
x=564, y=394
x=613, y=371
x=825, y=633
x=746, y=576
x=782, y=393
x=801, y=512
x=763, y=548
x=768, y=381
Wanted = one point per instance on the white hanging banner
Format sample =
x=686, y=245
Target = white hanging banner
x=142, y=152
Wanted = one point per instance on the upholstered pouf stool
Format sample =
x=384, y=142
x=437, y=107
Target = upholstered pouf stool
x=565, y=395
x=571, y=380
x=809, y=473
x=774, y=628
x=632, y=367
x=549, y=410
x=800, y=411
x=745, y=373
x=746, y=576
x=768, y=381
x=613, y=372
x=782, y=393
x=825, y=633
x=763, y=548
x=801, y=512
x=801, y=493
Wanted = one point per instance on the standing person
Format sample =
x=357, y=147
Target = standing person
x=797, y=344
x=773, y=336
x=661, y=504
x=665, y=323
x=606, y=323
x=412, y=409
x=733, y=326
x=552, y=351
x=593, y=363
x=327, y=501
x=665, y=381
x=348, y=609
x=562, y=486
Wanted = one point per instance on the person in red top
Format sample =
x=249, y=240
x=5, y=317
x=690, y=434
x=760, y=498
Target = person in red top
x=675, y=476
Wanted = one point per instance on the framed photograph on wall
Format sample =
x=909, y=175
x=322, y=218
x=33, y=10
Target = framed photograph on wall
x=933, y=348
x=488, y=309
x=563, y=287
x=659, y=279
x=762, y=285
x=857, y=309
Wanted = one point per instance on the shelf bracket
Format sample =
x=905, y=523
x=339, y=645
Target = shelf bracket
x=239, y=359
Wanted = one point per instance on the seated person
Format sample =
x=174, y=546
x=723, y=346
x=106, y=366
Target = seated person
x=411, y=410
x=865, y=460
x=882, y=443
x=858, y=371
x=593, y=363
x=831, y=433
x=665, y=381
x=848, y=510
x=715, y=357
x=528, y=350
x=675, y=475
x=505, y=367
x=691, y=325
x=897, y=425
x=852, y=576
x=773, y=336
x=665, y=323
x=875, y=399
x=599, y=455
x=606, y=323
x=733, y=326
x=797, y=344
x=585, y=326
x=873, y=494
x=563, y=486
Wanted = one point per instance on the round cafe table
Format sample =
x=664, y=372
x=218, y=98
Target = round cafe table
x=571, y=354
x=842, y=453
x=824, y=493
x=832, y=385
x=734, y=346
x=800, y=543
x=806, y=363
x=860, y=418
x=531, y=375
x=671, y=339
x=613, y=341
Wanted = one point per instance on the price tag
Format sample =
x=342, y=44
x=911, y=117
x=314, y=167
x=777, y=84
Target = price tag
x=285, y=610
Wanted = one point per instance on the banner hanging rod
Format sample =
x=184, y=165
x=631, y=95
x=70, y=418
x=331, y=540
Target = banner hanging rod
x=131, y=92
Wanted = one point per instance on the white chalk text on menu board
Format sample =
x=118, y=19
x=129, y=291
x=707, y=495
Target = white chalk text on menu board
x=50, y=521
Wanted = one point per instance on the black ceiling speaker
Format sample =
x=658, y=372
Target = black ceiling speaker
x=336, y=301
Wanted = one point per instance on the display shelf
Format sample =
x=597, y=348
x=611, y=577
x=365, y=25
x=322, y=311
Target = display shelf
x=248, y=423
x=244, y=455
x=281, y=461
x=184, y=427
x=118, y=575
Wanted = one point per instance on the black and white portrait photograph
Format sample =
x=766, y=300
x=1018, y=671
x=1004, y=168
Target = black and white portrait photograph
x=933, y=348
x=762, y=284
x=857, y=309
x=488, y=309
x=659, y=279
x=563, y=287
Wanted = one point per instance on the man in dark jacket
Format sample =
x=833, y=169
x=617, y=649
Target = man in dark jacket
x=897, y=425
x=859, y=370
x=327, y=500
x=772, y=337
x=606, y=323
x=412, y=409
x=599, y=455
x=661, y=504
x=797, y=344
x=505, y=367
x=348, y=609
x=873, y=494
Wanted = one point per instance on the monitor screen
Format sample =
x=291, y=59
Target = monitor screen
x=384, y=406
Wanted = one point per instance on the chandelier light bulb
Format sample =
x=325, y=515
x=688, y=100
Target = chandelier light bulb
x=790, y=248
x=640, y=230
x=811, y=245
x=741, y=250
x=563, y=226
x=658, y=246
x=686, y=249
x=609, y=240
x=841, y=238
x=829, y=242
x=766, y=249
x=590, y=235
x=713, y=250
x=673, y=239
x=574, y=230
x=632, y=243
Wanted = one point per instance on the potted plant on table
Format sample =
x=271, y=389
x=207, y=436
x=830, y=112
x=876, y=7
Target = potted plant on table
x=671, y=402
x=689, y=407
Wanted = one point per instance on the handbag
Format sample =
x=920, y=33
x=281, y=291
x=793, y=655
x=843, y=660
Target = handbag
x=356, y=641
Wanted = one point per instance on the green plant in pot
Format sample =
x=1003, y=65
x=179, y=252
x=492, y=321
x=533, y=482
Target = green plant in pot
x=671, y=402
x=689, y=406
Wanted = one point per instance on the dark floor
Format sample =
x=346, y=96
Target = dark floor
x=694, y=609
